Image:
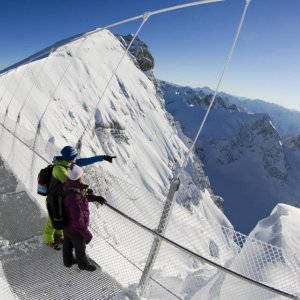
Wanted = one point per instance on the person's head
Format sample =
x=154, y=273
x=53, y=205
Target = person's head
x=75, y=173
x=69, y=153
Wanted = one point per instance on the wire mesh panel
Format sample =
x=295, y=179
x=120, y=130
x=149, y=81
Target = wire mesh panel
x=126, y=197
x=5, y=289
x=121, y=248
x=222, y=245
x=190, y=278
x=8, y=182
x=127, y=245
x=245, y=255
x=20, y=218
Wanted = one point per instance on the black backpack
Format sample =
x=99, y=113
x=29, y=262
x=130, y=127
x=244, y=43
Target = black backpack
x=53, y=189
x=55, y=207
x=44, y=179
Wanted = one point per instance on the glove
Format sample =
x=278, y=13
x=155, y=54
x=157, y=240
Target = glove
x=108, y=158
x=89, y=192
x=100, y=200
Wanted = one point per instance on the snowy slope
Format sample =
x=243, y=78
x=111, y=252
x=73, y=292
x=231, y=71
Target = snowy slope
x=130, y=122
x=281, y=228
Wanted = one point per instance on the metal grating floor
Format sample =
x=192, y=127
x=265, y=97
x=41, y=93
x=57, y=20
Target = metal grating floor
x=39, y=273
x=33, y=270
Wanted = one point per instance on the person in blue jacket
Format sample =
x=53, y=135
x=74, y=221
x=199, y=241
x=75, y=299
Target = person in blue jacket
x=53, y=237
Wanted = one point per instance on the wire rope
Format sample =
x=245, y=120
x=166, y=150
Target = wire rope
x=160, y=11
x=247, y=2
x=39, y=125
x=145, y=18
x=34, y=82
x=13, y=95
x=228, y=271
x=132, y=263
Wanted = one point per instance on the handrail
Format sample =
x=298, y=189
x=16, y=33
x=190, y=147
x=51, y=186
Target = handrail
x=178, y=246
x=163, y=238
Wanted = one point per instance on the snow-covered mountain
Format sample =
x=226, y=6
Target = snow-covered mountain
x=129, y=122
x=128, y=119
x=251, y=163
x=285, y=120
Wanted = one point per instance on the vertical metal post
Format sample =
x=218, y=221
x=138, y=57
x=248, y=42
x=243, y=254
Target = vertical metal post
x=163, y=223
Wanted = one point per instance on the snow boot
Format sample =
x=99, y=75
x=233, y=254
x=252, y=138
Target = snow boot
x=89, y=268
x=74, y=262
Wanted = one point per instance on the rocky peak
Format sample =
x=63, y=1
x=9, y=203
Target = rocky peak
x=140, y=52
x=257, y=138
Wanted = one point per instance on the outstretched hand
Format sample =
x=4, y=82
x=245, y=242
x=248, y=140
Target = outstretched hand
x=108, y=158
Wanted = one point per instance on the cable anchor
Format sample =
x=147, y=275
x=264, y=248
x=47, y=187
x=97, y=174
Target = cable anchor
x=146, y=15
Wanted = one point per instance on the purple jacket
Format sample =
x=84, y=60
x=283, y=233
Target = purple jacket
x=77, y=209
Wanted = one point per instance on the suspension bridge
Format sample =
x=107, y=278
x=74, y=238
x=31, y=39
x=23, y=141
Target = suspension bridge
x=144, y=250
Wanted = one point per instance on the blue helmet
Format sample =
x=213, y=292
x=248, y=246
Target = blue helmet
x=68, y=153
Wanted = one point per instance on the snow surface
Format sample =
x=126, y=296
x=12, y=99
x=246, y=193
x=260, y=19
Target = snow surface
x=281, y=228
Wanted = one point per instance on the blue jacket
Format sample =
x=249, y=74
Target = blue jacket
x=82, y=162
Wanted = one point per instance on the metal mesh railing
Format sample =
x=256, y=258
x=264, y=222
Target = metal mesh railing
x=122, y=247
x=224, y=246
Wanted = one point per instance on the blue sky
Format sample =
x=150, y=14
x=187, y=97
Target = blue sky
x=190, y=46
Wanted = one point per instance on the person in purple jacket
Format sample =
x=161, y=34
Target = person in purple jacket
x=76, y=208
x=53, y=237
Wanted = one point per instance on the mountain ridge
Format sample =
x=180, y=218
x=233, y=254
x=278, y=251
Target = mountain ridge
x=236, y=140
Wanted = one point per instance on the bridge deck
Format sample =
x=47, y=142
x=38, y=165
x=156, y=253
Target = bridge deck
x=33, y=270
